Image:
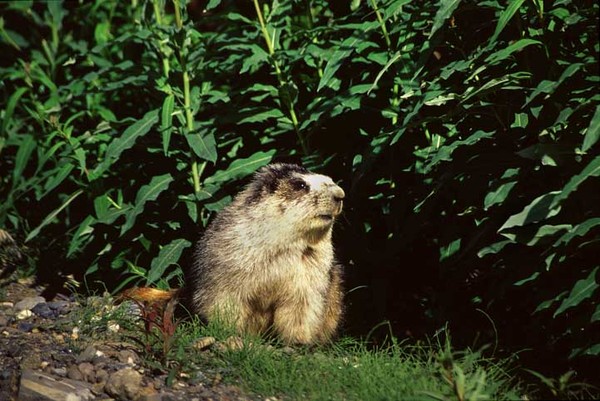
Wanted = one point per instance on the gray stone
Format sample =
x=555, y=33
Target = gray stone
x=88, y=354
x=28, y=303
x=124, y=384
x=37, y=386
x=43, y=310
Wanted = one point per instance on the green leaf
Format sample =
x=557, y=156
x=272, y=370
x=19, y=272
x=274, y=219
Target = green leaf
x=596, y=315
x=26, y=147
x=212, y=4
x=509, y=50
x=334, y=63
x=582, y=290
x=579, y=230
x=166, y=121
x=592, y=134
x=146, y=193
x=262, y=116
x=82, y=235
x=444, y=12
x=55, y=180
x=204, y=146
x=505, y=18
x=241, y=167
x=499, y=194
x=52, y=215
x=10, y=108
x=125, y=141
x=521, y=120
x=539, y=209
x=168, y=255
x=450, y=249
x=591, y=170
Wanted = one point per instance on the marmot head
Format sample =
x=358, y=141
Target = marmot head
x=309, y=201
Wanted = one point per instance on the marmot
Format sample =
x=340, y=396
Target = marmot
x=266, y=263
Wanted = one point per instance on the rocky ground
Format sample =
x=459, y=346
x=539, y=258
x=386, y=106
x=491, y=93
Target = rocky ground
x=43, y=357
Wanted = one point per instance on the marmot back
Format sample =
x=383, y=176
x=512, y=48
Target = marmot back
x=267, y=263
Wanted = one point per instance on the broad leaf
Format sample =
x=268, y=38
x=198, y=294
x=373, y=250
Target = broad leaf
x=582, y=290
x=539, y=209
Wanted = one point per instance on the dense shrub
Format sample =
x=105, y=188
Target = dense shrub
x=464, y=132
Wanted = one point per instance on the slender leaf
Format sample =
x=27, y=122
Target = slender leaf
x=592, y=134
x=168, y=255
x=166, y=121
x=444, y=12
x=53, y=215
x=125, y=141
x=505, y=18
x=146, y=193
x=582, y=290
x=241, y=167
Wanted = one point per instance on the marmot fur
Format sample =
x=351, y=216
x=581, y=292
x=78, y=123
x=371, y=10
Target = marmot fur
x=266, y=263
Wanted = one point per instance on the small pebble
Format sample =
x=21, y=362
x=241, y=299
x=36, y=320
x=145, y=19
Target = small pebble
x=25, y=326
x=23, y=314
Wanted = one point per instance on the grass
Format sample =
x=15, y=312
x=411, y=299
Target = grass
x=350, y=370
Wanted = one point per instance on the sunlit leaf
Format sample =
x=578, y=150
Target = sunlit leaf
x=582, y=290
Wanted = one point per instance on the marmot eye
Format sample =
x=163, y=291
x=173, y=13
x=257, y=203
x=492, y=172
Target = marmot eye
x=299, y=185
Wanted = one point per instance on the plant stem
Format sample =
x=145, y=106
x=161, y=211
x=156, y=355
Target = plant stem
x=158, y=17
x=382, y=24
x=271, y=49
x=189, y=117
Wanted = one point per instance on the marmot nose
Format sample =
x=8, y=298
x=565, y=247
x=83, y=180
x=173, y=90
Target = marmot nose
x=338, y=193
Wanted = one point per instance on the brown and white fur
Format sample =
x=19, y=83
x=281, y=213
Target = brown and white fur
x=266, y=263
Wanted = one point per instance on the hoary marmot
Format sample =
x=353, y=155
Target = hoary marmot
x=266, y=263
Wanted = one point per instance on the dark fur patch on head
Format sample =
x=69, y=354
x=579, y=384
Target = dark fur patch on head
x=269, y=177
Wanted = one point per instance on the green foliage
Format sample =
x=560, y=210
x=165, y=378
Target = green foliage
x=465, y=133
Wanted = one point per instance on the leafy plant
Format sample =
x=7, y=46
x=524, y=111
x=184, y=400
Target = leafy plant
x=464, y=133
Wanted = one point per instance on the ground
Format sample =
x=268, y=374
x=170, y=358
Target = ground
x=46, y=355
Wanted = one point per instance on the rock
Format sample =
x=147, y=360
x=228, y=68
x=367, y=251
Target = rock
x=28, y=303
x=101, y=376
x=88, y=354
x=23, y=314
x=124, y=384
x=62, y=372
x=43, y=310
x=74, y=373
x=24, y=326
x=204, y=342
x=4, y=321
x=60, y=307
x=128, y=356
x=37, y=386
x=87, y=371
